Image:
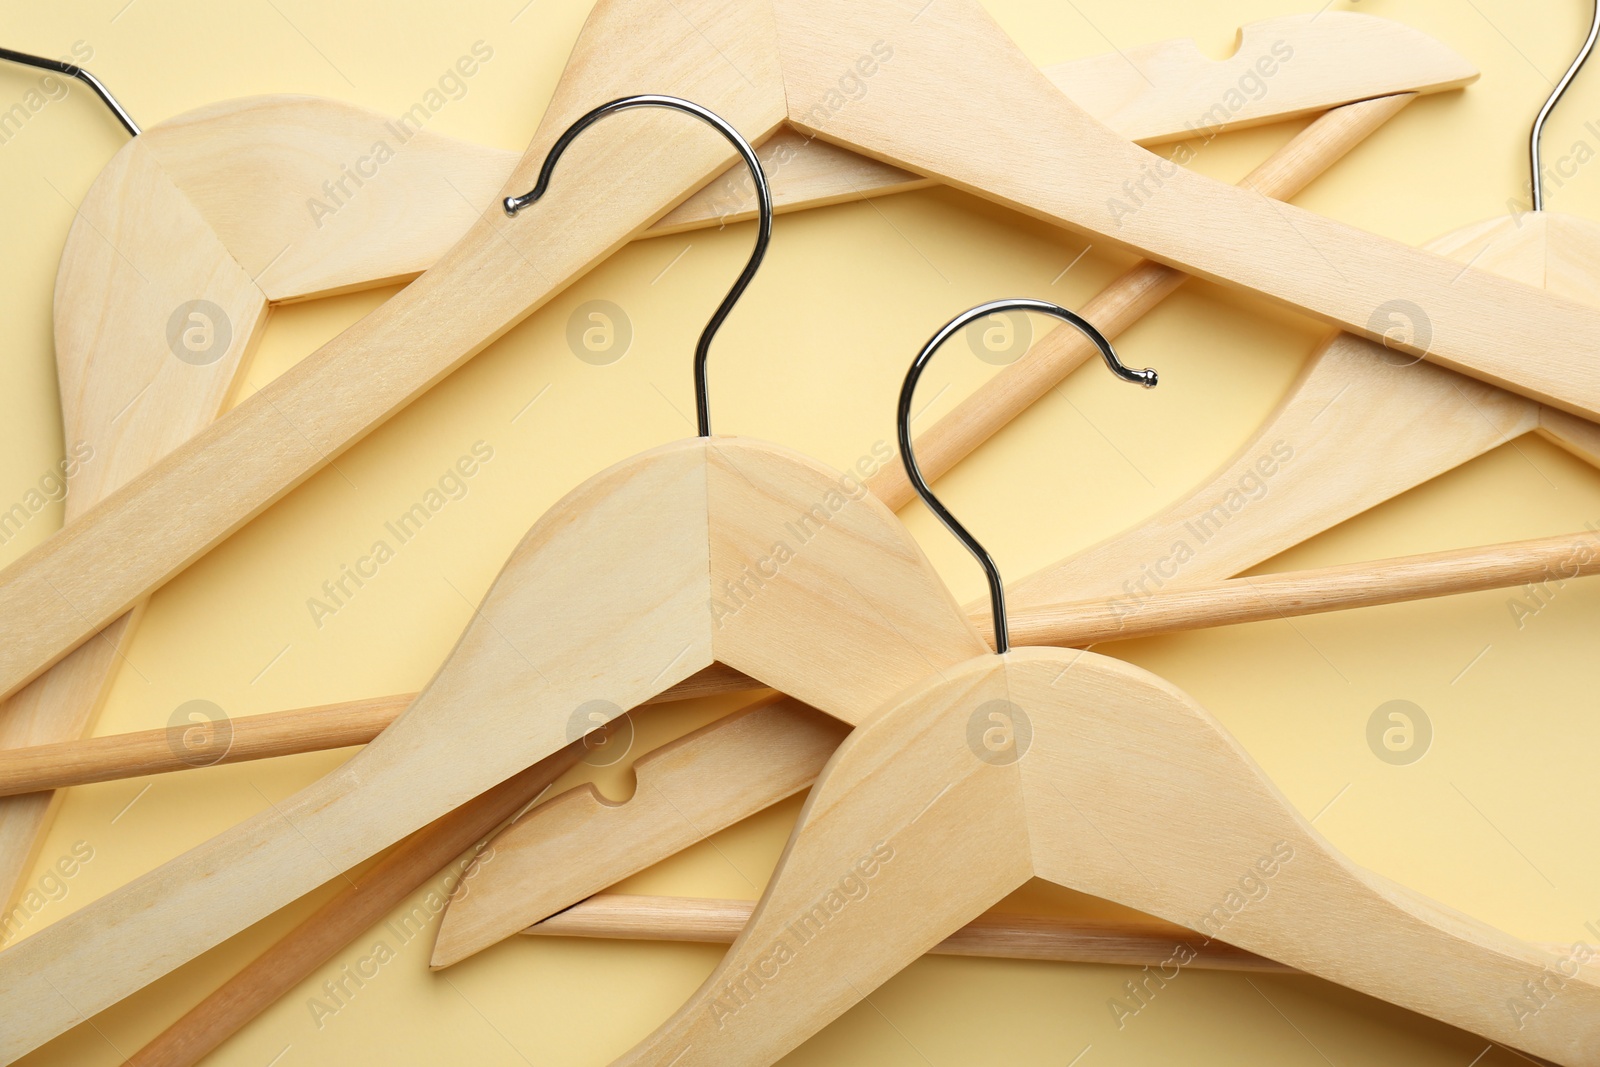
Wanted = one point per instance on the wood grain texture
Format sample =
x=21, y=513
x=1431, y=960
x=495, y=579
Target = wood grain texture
x=1361, y=425
x=353, y=911
x=565, y=850
x=998, y=935
x=579, y=843
x=1122, y=787
x=615, y=181
x=136, y=258
x=457, y=318
x=1315, y=62
x=1203, y=605
x=1008, y=136
x=255, y=167
x=1128, y=299
x=616, y=594
x=176, y=748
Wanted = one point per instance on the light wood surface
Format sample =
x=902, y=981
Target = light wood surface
x=176, y=748
x=1009, y=137
x=1121, y=787
x=278, y=733
x=1335, y=58
x=126, y=401
x=246, y=164
x=1125, y=943
x=617, y=180
x=236, y=160
x=1080, y=624
x=1361, y=425
x=620, y=591
x=578, y=843
x=893, y=125
x=354, y=910
x=1138, y=292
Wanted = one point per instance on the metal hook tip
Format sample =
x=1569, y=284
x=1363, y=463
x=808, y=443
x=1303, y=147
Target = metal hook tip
x=1147, y=377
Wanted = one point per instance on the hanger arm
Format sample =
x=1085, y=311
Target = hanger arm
x=686, y=790
x=638, y=167
x=1202, y=605
x=1361, y=425
x=355, y=909
x=1118, y=786
x=1008, y=137
x=996, y=935
x=1114, y=309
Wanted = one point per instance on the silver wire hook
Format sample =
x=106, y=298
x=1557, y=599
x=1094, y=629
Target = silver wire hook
x=997, y=589
x=514, y=204
x=1550, y=105
x=62, y=67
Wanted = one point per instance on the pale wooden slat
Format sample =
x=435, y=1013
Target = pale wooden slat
x=1125, y=943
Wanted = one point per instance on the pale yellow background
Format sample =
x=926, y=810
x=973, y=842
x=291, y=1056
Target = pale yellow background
x=813, y=359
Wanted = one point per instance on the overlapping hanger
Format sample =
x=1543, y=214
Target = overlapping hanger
x=608, y=601
x=1000, y=629
x=207, y=209
x=1067, y=169
x=1101, y=777
x=1361, y=428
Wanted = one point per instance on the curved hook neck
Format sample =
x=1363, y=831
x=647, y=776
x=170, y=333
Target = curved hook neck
x=1556, y=94
x=63, y=67
x=702, y=351
x=997, y=589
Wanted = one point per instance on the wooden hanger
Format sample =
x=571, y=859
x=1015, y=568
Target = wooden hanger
x=1362, y=427
x=1066, y=169
x=1127, y=790
x=1088, y=622
x=229, y=179
x=715, y=549
x=1103, y=778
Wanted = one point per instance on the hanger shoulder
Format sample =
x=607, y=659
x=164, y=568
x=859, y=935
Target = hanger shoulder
x=138, y=375
x=141, y=368
x=600, y=607
x=908, y=836
x=1281, y=68
x=578, y=843
x=309, y=193
x=817, y=589
x=1134, y=793
x=1361, y=425
x=1010, y=137
x=635, y=168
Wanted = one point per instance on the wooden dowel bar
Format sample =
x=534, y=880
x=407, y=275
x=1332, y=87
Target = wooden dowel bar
x=1130, y=943
x=1226, y=603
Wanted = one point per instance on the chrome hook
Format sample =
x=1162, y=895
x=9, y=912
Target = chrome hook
x=61, y=67
x=1550, y=105
x=514, y=204
x=997, y=589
